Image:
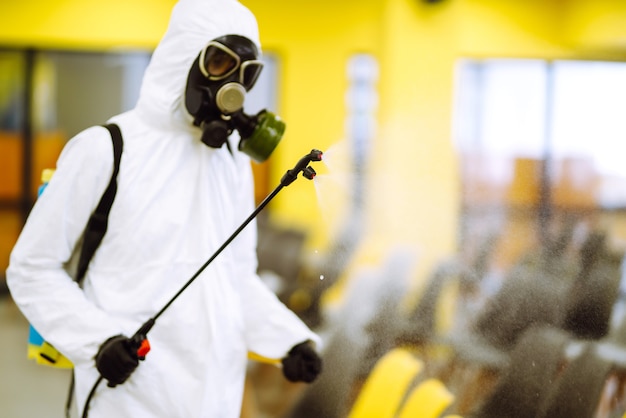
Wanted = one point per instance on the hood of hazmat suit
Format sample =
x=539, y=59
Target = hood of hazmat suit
x=177, y=202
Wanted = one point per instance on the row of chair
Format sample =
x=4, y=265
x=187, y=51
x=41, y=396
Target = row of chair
x=395, y=389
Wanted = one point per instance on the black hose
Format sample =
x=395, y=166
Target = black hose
x=88, y=400
x=70, y=396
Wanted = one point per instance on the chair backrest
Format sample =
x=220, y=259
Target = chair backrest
x=533, y=365
x=578, y=390
x=386, y=386
x=427, y=400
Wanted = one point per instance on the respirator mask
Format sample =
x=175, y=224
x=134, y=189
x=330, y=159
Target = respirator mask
x=226, y=69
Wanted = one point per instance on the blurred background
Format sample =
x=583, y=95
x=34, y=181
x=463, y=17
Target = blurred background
x=461, y=248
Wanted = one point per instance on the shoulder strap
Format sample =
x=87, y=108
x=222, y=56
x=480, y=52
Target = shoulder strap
x=99, y=220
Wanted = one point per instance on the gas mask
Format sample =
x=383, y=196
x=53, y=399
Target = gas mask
x=226, y=69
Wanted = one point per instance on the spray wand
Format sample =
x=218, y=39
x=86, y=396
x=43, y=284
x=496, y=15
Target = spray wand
x=140, y=338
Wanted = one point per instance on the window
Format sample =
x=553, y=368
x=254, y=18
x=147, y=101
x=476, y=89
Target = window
x=566, y=113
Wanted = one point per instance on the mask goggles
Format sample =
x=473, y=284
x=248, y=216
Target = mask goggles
x=218, y=62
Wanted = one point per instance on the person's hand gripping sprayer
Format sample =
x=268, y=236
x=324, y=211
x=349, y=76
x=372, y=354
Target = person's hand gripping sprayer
x=118, y=358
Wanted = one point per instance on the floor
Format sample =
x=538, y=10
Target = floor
x=27, y=390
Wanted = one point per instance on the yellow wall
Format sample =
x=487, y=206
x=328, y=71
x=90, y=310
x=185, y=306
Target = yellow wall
x=84, y=24
x=597, y=28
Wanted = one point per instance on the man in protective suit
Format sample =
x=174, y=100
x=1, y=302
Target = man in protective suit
x=177, y=201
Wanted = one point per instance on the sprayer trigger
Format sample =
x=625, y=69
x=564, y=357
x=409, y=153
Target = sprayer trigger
x=143, y=349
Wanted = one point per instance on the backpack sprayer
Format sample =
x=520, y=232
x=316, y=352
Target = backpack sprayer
x=140, y=338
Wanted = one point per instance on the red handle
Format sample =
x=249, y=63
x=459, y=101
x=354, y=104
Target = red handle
x=143, y=349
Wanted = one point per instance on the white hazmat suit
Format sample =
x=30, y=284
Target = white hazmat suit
x=177, y=202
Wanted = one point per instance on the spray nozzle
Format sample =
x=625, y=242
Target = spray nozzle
x=309, y=173
x=302, y=165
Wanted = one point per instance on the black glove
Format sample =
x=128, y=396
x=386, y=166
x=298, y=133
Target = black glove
x=302, y=363
x=117, y=359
